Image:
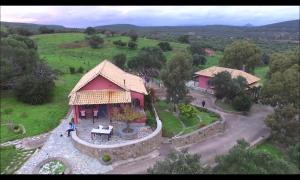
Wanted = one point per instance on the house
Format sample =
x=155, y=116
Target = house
x=209, y=52
x=104, y=89
x=204, y=75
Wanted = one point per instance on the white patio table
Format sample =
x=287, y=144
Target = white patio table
x=102, y=131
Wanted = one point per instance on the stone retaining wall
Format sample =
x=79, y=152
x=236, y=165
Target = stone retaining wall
x=122, y=151
x=200, y=134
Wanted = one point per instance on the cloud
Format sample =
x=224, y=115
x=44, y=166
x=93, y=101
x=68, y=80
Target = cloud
x=83, y=16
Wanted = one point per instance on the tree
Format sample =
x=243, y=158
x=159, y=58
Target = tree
x=119, y=60
x=179, y=163
x=265, y=59
x=133, y=35
x=284, y=125
x=226, y=87
x=132, y=45
x=283, y=86
x=148, y=61
x=165, y=46
x=37, y=87
x=46, y=30
x=128, y=115
x=241, y=102
x=221, y=83
x=244, y=160
x=90, y=31
x=184, y=39
x=174, y=77
x=198, y=60
x=95, y=41
x=197, y=48
x=18, y=57
x=241, y=55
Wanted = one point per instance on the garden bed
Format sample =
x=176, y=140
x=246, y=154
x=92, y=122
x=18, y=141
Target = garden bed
x=177, y=125
x=55, y=165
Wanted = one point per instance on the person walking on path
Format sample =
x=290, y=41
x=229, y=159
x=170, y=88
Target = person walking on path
x=203, y=103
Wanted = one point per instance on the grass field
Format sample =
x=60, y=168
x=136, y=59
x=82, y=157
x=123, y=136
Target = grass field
x=43, y=118
x=213, y=60
x=270, y=148
x=261, y=72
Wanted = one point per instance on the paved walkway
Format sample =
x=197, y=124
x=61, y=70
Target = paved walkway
x=250, y=127
x=61, y=146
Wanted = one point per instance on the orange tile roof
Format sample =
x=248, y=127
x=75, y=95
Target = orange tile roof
x=211, y=71
x=113, y=74
x=100, y=97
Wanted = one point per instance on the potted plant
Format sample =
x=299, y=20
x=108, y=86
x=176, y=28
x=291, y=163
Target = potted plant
x=106, y=159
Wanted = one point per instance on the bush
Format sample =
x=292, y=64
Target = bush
x=80, y=70
x=119, y=43
x=165, y=46
x=95, y=41
x=151, y=119
x=106, y=157
x=242, y=102
x=8, y=111
x=294, y=154
x=35, y=88
x=132, y=45
x=119, y=60
x=72, y=70
x=187, y=111
x=198, y=60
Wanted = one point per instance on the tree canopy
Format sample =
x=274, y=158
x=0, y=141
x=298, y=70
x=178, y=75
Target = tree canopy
x=241, y=54
x=244, y=160
x=177, y=72
x=95, y=41
x=179, y=163
x=148, y=61
x=119, y=60
x=90, y=31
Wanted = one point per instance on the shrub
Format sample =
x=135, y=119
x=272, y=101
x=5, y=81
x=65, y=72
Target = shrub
x=80, y=70
x=95, y=41
x=151, y=119
x=187, y=111
x=106, y=157
x=294, y=154
x=132, y=45
x=35, y=88
x=8, y=111
x=119, y=43
x=165, y=46
x=119, y=60
x=242, y=102
x=72, y=70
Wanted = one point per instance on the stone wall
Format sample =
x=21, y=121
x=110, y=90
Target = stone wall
x=122, y=151
x=200, y=134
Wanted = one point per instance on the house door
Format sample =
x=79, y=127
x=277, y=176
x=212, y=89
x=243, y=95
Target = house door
x=103, y=111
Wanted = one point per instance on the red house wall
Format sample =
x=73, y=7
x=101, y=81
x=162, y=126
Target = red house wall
x=139, y=96
x=203, y=81
x=100, y=83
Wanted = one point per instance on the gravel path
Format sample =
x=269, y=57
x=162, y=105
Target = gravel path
x=57, y=146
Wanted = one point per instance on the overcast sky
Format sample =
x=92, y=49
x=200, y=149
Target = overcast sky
x=83, y=16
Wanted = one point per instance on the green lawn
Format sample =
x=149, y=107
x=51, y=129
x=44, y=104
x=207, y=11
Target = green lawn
x=213, y=60
x=261, y=72
x=36, y=119
x=270, y=148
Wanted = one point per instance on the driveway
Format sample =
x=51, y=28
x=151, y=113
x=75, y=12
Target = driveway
x=250, y=127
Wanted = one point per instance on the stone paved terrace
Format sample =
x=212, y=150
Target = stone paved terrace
x=57, y=146
x=85, y=126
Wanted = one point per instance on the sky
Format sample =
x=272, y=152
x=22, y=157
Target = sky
x=84, y=16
